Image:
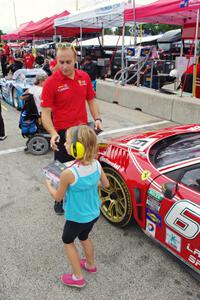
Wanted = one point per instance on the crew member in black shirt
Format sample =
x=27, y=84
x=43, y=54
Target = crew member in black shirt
x=89, y=67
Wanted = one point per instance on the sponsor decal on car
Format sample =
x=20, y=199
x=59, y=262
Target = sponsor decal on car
x=194, y=257
x=106, y=160
x=153, y=204
x=145, y=174
x=141, y=144
x=194, y=128
x=154, y=199
x=155, y=194
x=154, y=217
x=150, y=228
x=173, y=240
x=182, y=216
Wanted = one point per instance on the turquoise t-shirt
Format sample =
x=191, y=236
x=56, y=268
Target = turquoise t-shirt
x=82, y=203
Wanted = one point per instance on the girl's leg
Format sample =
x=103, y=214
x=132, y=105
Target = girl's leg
x=89, y=252
x=74, y=259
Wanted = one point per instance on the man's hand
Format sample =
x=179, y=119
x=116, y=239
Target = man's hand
x=98, y=125
x=54, y=139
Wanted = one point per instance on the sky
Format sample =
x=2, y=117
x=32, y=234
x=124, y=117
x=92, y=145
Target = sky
x=34, y=10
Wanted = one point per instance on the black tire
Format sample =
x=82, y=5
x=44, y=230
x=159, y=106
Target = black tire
x=118, y=211
x=15, y=100
x=38, y=145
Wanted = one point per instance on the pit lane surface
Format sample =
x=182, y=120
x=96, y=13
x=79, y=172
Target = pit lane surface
x=130, y=265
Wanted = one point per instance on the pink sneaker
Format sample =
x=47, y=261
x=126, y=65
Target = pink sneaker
x=83, y=266
x=68, y=280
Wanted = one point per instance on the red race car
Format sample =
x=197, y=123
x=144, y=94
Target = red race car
x=155, y=179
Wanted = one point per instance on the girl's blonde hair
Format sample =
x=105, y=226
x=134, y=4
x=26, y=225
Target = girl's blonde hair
x=87, y=137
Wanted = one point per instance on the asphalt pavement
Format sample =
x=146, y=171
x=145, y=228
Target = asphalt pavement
x=130, y=265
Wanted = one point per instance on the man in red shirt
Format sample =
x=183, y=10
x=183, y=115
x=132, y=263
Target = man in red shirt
x=64, y=98
x=29, y=60
x=53, y=65
x=6, y=49
x=187, y=78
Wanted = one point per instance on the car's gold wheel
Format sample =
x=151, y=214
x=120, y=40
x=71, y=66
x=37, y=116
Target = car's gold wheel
x=116, y=201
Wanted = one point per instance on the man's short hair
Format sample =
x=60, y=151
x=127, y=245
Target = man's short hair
x=62, y=47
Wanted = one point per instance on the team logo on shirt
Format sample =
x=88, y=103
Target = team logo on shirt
x=62, y=88
x=82, y=82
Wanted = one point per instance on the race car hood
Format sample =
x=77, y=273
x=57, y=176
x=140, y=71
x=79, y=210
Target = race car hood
x=143, y=140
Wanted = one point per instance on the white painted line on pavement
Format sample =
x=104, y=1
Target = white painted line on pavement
x=5, y=108
x=132, y=127
x=14, y=150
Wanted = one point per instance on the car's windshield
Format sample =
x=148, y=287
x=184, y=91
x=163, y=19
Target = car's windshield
x=30, y=78
x=175, y=149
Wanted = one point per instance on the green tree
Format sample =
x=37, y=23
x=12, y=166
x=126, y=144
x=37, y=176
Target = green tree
x=154, y=29
x=1, y=32
x=108, y=31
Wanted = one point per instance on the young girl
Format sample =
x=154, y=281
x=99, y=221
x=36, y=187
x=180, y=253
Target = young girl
x=79, y=187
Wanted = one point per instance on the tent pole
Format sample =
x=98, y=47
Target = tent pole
x=134, y=24
x=81, y=36
x=55, y=33
x=122, y=58
x=195, y=56
x=102, y=35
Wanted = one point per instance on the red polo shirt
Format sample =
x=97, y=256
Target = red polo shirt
x=6, y=49
x=67, y=98
x=29, y=60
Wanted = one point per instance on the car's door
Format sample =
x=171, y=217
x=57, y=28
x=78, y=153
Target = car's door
x=173, y=212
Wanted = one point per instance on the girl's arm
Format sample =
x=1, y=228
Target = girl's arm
x=104, y=180
x=66, y=178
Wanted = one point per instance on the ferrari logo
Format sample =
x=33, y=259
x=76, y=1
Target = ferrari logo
x=145, y=174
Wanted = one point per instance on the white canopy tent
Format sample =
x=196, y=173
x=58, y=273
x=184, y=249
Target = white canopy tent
x=111, y=40
x=103, y=15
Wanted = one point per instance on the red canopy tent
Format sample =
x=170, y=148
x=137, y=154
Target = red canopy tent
x=45, y=28
x=188, y=32
x=164, y=12
x=13, y=36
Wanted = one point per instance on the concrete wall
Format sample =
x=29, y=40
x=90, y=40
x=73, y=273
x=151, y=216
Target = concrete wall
x=185, y=110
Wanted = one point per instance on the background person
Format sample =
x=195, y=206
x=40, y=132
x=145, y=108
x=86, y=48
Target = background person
x=36, y=89
x=53, y=66
x=79, y=186
x=29, y=59
x=64, y=97
x=6, y=48
x=89, y=67
x=18, y=60
x=187, y=78
x=39, y=60
x=2, y=127
x=46, y=67
x=4, y=62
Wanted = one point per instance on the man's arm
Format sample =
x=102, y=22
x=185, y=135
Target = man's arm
x=95, y=112
x=48, y=125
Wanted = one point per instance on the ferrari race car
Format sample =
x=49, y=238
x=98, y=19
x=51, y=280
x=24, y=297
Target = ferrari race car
x=155, y=179
x=12, y=89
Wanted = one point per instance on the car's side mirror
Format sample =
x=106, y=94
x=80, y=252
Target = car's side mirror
x=169, y=189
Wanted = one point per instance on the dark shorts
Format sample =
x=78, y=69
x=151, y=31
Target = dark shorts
x=73, y=230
